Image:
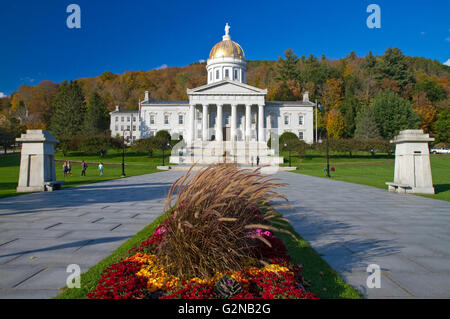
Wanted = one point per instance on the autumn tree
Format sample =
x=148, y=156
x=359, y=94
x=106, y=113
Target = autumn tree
x=426, y=111
x=335, y=123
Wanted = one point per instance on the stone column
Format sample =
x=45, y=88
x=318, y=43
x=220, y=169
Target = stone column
x=247, y=122
x=233, y=121
x=205, y=122
x=192, y=122
x=219, y=126
x=37, y=163
x=261, y=123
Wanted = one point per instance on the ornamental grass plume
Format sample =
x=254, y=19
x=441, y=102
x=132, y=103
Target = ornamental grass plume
x=212, y=225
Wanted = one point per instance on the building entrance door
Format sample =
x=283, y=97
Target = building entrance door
x=226, y=133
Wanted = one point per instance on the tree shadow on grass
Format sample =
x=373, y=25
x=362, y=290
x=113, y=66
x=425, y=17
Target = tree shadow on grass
x=441, y=188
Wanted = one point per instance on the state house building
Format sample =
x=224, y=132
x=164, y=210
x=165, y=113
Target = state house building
x=226, y=116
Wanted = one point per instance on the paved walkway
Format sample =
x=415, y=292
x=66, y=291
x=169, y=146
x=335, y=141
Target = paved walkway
x=351, y=225
x=354, y=226
x=42, y=233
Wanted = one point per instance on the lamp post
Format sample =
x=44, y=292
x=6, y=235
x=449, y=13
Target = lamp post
x=123, y=153
x=285, y=146
x=327, y=155
x=327, y=152
x=168, y=146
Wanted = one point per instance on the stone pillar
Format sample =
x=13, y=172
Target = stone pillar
x=192, y=122
x=261, y=123
x=233, y=121
x=247, y=122
x=37, y=163
x=219, y=125
x=205, y=123
x=412, y=163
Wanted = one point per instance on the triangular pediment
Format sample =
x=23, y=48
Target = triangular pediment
x=226, y=87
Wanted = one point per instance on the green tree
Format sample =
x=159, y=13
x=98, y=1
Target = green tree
x=366, y=126
x=348, y=110
x=96, y=120
x=144, y=145
x=442, y=126
x=393, y=65
x=393, y=113
x=434, y=91
x=288, y=68
x=69, y=109
x=99, y=144
x=10, y=129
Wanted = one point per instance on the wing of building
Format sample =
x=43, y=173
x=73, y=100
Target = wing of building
x=226, y=113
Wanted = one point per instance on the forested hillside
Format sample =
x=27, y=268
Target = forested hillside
x=371, y=96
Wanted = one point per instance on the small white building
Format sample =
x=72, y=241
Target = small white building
x=226, y=111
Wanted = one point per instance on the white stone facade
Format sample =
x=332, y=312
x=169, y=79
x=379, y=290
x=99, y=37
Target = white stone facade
x=224, y=110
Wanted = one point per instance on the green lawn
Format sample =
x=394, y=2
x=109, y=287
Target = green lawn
x=136, y=164
x=365, y=170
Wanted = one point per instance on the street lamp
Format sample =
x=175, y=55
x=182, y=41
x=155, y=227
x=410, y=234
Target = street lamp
x=168, y=146
x=285, y=146
x=327, y=152
x=123, y=153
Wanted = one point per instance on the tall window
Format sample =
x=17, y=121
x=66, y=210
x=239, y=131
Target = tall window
x=235, y=74
x=128, y=119
x=300, y=120
x=117, y=127
x=217, y=74
x=227, y=73
x=300, y=135
x=286, y=120
x=180, y=119
x=117, y=119
x=166, y=119
x=134, y=119
x=152, y=119
x=122, y=119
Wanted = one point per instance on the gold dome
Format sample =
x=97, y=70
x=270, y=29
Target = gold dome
x=227, y=48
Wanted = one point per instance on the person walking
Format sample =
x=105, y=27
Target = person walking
x=69, y=168
x=100, y=168
x=83, y=168
x=64, y=167
x=257, y=160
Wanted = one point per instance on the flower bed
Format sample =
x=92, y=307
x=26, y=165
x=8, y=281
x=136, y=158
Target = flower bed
x=141, y=276
x=217, y=242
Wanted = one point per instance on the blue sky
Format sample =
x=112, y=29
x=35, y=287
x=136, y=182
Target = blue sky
x=118, y=36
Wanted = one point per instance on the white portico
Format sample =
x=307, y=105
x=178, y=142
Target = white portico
x=227, y=111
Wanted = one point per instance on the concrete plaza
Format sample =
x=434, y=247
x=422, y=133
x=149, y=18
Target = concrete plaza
x=351, y=225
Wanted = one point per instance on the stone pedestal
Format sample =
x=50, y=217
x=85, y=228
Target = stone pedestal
x=37, y=163
x=412, y=163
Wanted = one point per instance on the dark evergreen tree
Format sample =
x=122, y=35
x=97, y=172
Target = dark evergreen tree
x=68, y=111
x=97, y=119
x=348, y=110
x=393, y=65
x=288, y=67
